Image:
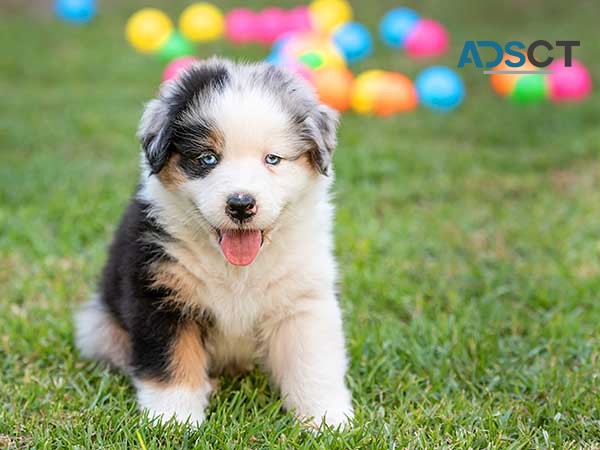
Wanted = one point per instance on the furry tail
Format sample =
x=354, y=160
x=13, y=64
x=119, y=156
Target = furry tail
x=99, y=337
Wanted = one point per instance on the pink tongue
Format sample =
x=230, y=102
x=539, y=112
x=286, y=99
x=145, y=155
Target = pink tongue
x=241, y=247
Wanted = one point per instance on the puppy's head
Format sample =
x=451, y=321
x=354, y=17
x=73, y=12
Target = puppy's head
x=241, y=143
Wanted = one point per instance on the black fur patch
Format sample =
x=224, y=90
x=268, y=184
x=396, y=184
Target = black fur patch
x=197, y=81
x=126, y=289
x=193, y=167
x=193, y=140
x=193, y=82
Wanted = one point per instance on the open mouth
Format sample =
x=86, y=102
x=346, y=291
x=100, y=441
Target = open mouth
x=240, y=247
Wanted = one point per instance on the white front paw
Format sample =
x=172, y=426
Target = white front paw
x=335, y=411
x=183, y=404
x=339, y=417
x=334, y=417
x=194, y=416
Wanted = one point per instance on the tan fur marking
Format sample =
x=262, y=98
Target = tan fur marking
x=217, y=140
x=170, y=175
x=188, y=362
x=188, y=365
x=307, y=162
x=184, y=285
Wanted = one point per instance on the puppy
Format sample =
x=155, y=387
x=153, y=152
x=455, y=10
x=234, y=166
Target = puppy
x=224, y=256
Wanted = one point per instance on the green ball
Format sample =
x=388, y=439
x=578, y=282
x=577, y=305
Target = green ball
x=311, y=59
x=530, y=89
x=176, y=47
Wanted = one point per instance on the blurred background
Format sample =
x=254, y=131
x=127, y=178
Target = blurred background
x=468, y=241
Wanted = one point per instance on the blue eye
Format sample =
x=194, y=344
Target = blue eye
x=209, y=159
x=272, y=159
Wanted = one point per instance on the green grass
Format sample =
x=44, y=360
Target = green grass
x=469, y=247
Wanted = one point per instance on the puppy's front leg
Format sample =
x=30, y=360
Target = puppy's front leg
x=170, y=371
x=306, y=356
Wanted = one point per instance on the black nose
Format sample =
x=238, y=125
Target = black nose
x=241, y=206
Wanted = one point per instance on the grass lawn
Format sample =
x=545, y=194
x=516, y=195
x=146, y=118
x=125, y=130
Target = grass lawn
x=469, y=247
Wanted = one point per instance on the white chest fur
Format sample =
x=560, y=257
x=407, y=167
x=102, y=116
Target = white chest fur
x=294, y=267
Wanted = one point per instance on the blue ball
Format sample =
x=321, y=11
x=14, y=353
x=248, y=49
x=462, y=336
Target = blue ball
x=440, y=88
x=396, y=25
x=280, y=43
x=274, y=58
x=354, y=41
x=77, y=11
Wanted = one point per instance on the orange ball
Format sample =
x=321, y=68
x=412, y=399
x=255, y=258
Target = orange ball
x=504, y=84
x=396, y=94
x=334, y=87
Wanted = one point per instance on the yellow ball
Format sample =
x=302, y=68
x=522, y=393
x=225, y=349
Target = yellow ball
x=328, y=14
x=202, y=22
x=332, y=57
x=365, y=91
x=148, y=29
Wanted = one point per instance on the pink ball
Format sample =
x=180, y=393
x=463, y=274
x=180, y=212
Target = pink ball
x=569, y=84
x=296, y=68
x=240, y=25
x=298, y=19
x=428, y=38
x=175, y=67
x=303, y=72
x=272, y=22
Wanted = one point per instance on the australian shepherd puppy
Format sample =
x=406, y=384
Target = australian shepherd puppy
x=224, y=256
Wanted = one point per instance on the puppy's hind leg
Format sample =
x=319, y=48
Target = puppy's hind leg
x=98, y=336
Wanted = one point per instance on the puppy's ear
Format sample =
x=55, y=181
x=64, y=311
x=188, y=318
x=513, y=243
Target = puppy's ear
x=323, y=125
x=154, y=134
